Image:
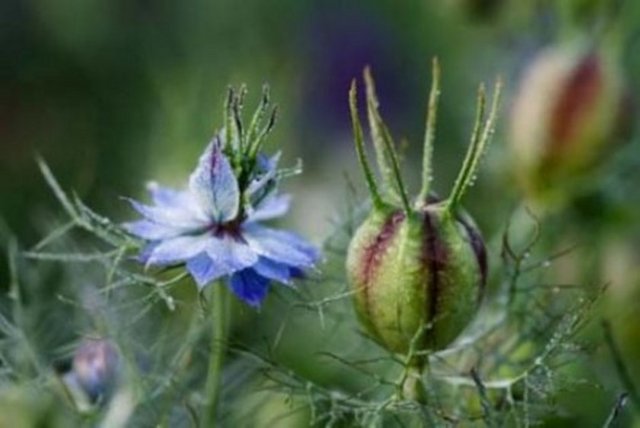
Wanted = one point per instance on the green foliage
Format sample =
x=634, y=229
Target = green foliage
x=507, y=369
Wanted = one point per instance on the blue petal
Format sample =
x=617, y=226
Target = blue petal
x=186, y=217
x=229, y=255
x=268, y=168
x=151, y=231
x=146, y=251
x=266, y=163
x=165, y=196
x=177, y=250
x=273, y=270
x=280, y=246
x=273, y=207
x=203, y=270
x=215, y=186
x=249, y=286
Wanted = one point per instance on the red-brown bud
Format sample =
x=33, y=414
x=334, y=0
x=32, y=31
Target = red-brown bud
x=569, y=109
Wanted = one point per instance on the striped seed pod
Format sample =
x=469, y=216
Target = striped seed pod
x=417, y=269
x=570, y=107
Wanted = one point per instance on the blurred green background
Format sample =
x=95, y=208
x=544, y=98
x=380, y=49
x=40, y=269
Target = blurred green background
x=115, y=93
x=112, y=94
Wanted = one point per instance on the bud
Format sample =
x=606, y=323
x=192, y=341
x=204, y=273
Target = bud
x=569, y=109
x=417, y=269
x=94, y=369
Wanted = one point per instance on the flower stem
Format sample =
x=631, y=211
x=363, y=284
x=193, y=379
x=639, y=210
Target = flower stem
x=216, y=357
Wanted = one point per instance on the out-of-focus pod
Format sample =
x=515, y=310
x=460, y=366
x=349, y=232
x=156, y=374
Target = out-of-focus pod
x=570, y=110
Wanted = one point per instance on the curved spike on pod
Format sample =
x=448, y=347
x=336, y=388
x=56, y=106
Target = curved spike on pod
x=480, y=138
x=430, y=132
x=360, y=151
x=384, y=146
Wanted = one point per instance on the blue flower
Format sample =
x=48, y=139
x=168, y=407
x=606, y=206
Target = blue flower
x=214, y=226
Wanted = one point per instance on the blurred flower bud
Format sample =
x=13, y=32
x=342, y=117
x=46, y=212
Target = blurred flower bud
x=570, y=108
x=95, y=368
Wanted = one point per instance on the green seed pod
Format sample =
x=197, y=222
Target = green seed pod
x=569, y=109
x=417, y=269
x=422, y=269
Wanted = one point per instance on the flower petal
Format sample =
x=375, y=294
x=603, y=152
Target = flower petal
x=280, y=246
x=273, y=270
x=146, y=251
x=151, y=231
x=177, y=250
x=203, y=270
x=229, y=255
x=167, y=197
x=273, y=207
x=250, y=287
x=179, y=216
x=268, y=169
x=215, y=186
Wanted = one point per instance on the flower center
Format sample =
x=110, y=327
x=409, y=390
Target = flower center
x=231, y=229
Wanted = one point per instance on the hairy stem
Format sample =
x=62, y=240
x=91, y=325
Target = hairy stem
x=480, y=138
x=383, y=144
x=430, y=132
x=360, y=151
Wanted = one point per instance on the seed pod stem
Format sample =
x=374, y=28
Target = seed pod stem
x=360, y=151
x=413, y=386
x=480, y=138
x=384, y=146
x=430, y=131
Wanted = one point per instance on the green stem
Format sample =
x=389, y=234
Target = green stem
x=480, y=138
x=620, y=366
x=216, y=357
x=430, y=132
x=465, y=174
x=412, y=384
x=384, y=145
x=360, y=151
